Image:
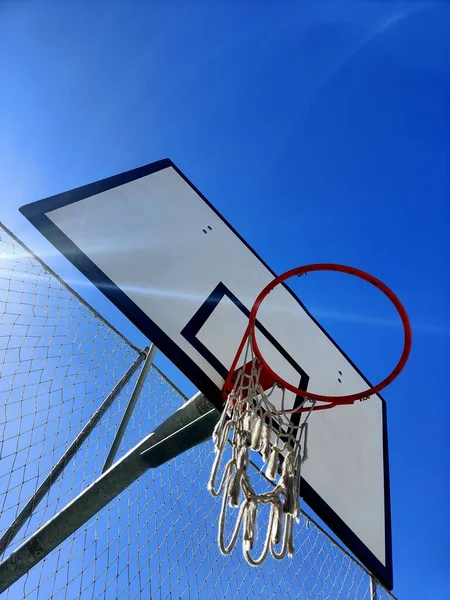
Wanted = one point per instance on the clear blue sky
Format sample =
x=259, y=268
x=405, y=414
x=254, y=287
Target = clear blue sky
x=319, y=130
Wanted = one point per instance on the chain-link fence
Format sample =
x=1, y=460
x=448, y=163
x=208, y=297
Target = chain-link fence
x=65, y=378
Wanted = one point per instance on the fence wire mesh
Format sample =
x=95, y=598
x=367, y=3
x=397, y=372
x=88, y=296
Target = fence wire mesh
x=58, y=363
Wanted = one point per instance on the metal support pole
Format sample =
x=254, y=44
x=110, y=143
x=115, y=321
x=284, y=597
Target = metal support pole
x=373, y=588
x=131, y=405
x=56, y=471
x=189, y=426
x=182, y=430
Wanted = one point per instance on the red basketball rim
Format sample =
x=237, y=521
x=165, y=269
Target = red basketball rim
x=331, y=400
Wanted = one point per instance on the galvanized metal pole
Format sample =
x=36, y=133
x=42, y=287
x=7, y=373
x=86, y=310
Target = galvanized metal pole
x=189, y=426
x=373, y=588
x=56, y=471
x=192, y=424
x=150, y=355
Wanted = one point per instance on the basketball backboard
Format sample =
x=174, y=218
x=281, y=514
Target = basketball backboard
x=153, y=244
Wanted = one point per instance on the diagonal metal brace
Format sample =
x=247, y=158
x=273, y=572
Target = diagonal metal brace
x=189, y=426
x=70, y=452
x=192, y=424
x=131, y=406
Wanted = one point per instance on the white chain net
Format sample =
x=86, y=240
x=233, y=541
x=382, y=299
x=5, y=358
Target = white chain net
x=254, y=427
x=158, y=539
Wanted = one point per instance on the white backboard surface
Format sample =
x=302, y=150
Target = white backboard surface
x=157, y=248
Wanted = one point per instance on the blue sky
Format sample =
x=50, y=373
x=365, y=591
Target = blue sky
x=319, y=130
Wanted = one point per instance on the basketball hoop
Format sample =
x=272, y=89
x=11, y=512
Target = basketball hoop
x=251, y=422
